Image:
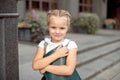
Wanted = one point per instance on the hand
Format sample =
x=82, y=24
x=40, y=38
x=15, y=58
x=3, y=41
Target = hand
x=61, y=51
x=42, y=71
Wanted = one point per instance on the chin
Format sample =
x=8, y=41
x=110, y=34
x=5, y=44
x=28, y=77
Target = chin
x=58, y=39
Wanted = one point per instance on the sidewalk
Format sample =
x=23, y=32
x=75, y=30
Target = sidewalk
x=84, y=42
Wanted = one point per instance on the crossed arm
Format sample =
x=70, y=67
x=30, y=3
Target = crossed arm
x=43, y=64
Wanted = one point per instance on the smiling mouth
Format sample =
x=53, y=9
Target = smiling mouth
x=57, y=36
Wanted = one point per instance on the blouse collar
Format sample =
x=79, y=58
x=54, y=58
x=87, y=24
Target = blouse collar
x=48, y=40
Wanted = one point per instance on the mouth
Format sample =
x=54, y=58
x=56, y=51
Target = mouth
x=57, y=36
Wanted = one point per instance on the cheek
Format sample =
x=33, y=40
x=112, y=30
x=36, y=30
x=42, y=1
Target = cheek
x=51, y=31
x=65, y=31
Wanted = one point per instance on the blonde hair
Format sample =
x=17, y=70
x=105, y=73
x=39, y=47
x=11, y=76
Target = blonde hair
x=60, y=13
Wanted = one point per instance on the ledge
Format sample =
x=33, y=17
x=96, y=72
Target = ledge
x=9, y=15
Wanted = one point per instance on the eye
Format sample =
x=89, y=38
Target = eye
x=53, y=27
x=62, y=28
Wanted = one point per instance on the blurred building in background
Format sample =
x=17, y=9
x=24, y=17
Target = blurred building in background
x=103, y=8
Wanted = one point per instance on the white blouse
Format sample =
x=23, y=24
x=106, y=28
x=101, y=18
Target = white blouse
x=51, y=45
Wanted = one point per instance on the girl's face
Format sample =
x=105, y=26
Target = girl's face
x=57, y=28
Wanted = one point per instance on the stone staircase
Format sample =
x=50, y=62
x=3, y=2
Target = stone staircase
x=98, y=56
x=95, y=61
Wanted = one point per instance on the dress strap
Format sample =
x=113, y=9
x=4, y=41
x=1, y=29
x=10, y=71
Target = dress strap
x=45, y=46
x=68, y=43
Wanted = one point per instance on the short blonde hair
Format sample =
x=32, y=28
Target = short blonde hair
x=60, y=13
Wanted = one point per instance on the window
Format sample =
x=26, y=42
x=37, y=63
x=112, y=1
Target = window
x=27, y=5
x=53, y=5
x=45, y=6
x=41, y=4
x=85, y=5
x=35, y=4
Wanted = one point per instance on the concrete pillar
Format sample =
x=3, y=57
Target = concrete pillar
x=70, y=5
x=8, y=40
x=21, y=9
x=74, y=8
x=100, y=7
x=62, y=4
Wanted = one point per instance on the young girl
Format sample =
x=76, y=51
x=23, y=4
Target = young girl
x=58, y=22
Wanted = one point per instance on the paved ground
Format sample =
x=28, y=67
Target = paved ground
x=84, y=41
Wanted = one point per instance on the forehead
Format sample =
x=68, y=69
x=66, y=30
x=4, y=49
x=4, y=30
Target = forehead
x=58, y=18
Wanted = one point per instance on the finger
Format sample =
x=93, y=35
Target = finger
x=59, y=47
x=42, y=71
x=67, y=51
x=66, y=54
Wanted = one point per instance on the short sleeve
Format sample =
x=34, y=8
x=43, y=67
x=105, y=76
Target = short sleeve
x=41, y=44
x=72, y=44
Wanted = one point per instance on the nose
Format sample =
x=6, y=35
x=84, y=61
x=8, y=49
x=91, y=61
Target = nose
x=57, y=31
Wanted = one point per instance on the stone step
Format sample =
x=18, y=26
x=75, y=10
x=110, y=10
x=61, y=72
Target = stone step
x=96, y=53
x=94, y=67
x=109, y=74
x=95, y=44
x=117, y=77
x=87, y=42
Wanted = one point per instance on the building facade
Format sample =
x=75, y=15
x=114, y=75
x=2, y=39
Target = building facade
x=101, y=7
